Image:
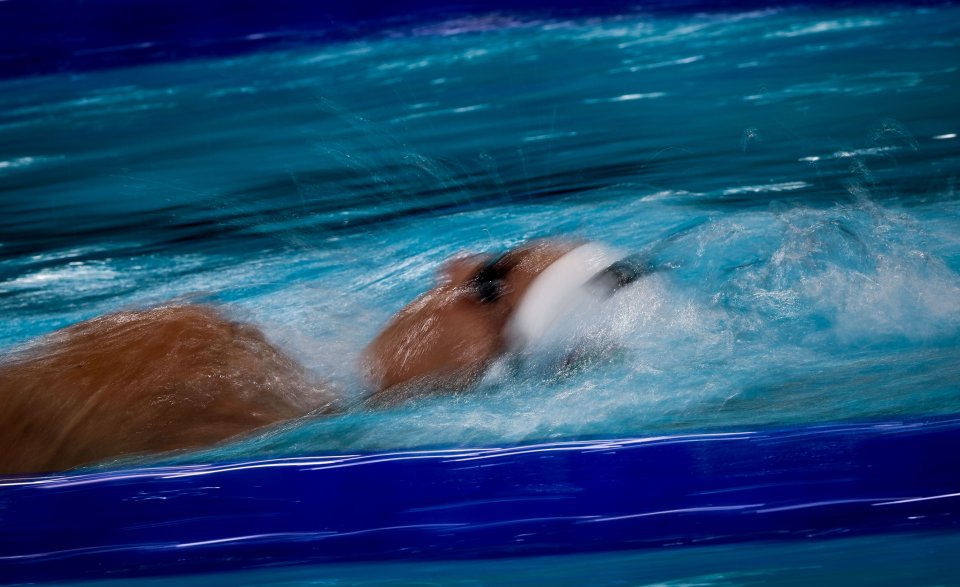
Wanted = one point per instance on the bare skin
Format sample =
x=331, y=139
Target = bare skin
x=148, y=381
x=180, y=377
x=446, y=338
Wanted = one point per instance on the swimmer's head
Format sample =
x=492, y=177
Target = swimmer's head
x=447, y=337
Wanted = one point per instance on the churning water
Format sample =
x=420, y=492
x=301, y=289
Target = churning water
x=795, y=169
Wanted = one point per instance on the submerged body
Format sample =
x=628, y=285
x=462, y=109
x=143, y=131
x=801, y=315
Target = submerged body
x=145, y=381
x=178, y=377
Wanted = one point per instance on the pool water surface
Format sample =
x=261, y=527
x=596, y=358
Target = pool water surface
x=793, y=170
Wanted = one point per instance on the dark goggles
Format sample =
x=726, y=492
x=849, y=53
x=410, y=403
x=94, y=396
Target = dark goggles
x=489, y=281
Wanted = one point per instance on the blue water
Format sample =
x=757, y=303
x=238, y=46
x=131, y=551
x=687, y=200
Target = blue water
x=795, y=167
x=921, y=559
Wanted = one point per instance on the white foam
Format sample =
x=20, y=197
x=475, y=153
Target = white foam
x=667, y=194
x=826, y=26
x=766, y=188
x=19, y=162
x=78, y=274
x=900, y=298
x=872, y=151
x=679, y=31
x=550, y=136
x=626, y=98
x=847, y=154
x=441, y=112
x=473, y=108
x=658, y=65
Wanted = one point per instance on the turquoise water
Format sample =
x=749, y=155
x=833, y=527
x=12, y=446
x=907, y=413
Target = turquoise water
x=908, y=560
x=796, y=168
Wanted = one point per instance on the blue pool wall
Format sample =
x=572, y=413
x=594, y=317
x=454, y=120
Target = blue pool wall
x=801, y=483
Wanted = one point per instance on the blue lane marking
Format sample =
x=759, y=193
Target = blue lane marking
x=559, y=497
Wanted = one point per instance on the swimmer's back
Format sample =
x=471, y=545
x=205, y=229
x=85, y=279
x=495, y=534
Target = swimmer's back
x=143, y=381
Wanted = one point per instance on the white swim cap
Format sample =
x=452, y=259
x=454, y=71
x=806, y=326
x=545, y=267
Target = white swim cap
x=556, y=291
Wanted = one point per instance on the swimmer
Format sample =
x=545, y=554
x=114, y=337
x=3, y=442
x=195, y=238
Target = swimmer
x=145, y=381
x=184, y=376
x=485, y=306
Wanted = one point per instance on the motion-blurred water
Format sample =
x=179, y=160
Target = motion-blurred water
x=795, y=167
